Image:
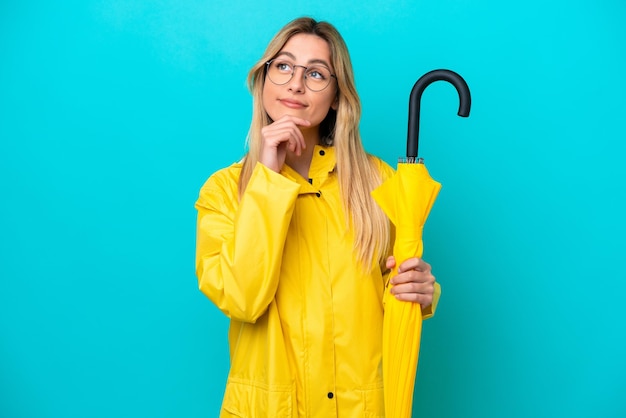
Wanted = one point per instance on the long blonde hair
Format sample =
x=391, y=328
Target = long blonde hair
x=358, y=174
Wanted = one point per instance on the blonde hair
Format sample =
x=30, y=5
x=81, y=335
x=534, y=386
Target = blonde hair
x=340, y=129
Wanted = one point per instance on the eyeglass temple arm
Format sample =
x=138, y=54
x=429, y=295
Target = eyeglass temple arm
x=465, y=102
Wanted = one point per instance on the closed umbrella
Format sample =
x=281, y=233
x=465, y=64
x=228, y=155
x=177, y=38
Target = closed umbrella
x=407, y=198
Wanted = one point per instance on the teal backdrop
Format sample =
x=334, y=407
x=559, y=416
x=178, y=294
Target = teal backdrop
x=113, y=113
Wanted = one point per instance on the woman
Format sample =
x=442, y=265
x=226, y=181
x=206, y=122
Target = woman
x=292, y=248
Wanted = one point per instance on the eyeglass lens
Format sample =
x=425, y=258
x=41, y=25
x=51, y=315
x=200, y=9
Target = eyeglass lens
x=316, y=77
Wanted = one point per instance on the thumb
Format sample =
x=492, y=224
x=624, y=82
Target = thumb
x=391, y=262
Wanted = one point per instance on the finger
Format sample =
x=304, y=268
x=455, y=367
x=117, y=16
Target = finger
x=413, y=287
x=296, y=142
x=413, y=276
x=294, y=122
x=297, y=135
x=414, y=264
x=421, y=299
x=298, y=121
x=391, y=262
x=289, y=131
x=273, y=136
x=413, y=292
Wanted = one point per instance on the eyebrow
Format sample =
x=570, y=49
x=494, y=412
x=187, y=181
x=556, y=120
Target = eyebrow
x=312, y=61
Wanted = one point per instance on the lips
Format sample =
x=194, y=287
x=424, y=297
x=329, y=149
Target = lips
x=292, y=104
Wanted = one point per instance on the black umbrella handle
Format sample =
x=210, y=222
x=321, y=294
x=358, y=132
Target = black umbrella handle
x=465, y=102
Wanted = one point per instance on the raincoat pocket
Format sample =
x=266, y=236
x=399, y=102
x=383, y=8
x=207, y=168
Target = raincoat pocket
x=247, y=399
x=373, y=401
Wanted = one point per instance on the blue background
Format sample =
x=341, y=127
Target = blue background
x=113, y=114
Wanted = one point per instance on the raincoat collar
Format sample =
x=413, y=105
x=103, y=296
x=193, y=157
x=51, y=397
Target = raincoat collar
x=323, y=161
x=322, y=164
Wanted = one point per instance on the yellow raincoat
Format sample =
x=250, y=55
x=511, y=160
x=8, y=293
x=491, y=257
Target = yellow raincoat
x=305, y=320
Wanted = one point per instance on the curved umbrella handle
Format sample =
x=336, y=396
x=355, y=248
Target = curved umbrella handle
x=465, y=102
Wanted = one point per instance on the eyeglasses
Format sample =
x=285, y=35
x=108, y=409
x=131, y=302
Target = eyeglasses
x=316, y=77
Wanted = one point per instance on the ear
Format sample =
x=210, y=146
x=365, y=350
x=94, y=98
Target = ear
x=335, y=104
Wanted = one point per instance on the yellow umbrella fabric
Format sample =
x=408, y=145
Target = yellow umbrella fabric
x=406, y=198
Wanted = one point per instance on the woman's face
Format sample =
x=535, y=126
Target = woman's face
x=294, y=98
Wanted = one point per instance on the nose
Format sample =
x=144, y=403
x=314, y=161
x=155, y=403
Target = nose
x=297, y=79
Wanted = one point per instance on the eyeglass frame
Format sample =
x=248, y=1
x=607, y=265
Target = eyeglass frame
x=293, y=71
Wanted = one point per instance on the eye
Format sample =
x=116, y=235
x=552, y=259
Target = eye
x=284, y=66
x=317, y=73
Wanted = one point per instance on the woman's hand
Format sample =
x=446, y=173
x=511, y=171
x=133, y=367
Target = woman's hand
x=278, y=137
x=414, y=282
